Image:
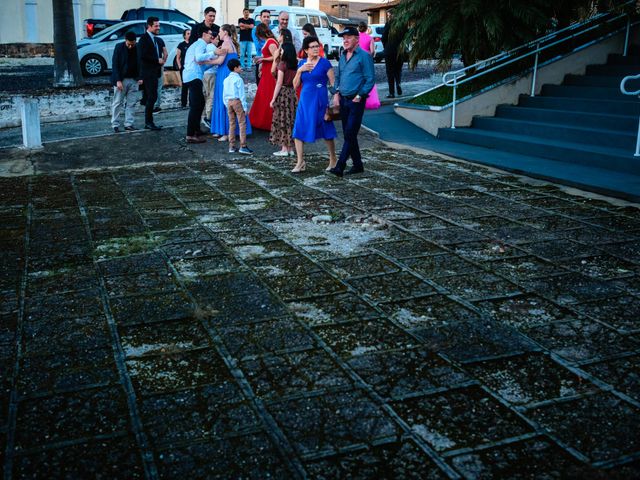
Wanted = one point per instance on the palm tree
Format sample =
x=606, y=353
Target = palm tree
x=475, y=29
x=66, y=69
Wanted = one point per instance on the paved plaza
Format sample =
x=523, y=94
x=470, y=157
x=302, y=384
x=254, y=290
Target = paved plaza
x=185, y=313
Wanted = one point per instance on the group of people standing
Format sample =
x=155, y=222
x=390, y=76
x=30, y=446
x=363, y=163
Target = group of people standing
x=294, y=81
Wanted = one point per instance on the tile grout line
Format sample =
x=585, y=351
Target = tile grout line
x=150, y=468
x=13, y=399
x=273, y=430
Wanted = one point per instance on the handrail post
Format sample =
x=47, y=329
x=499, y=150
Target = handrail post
x=453, y=105
x=637, y=154
x=624, y=91
x=626, y=37
x=535, y=71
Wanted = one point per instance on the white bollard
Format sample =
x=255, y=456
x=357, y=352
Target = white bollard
x=31, y=137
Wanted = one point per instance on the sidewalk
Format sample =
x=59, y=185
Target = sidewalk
x=91, y=127
x=172, y=311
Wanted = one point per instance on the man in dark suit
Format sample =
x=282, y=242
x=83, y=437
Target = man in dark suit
x=124, y=78
x=393, y=57
x=150, y=59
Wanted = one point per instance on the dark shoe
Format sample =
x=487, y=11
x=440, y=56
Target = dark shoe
x=152, y=126
x=195, y=139
x=156, y=109
x=200, y=133
x=116, y=129
x=130, y=128
x=391, y=95
x=353, y=171
x=336, y=172
x=399, y=91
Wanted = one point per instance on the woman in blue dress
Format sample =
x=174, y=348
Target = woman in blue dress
x=311, y=123
x=219, y=115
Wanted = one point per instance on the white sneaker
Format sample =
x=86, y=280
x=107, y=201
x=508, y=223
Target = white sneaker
x=280, y=153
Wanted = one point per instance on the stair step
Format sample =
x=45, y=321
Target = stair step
x=613, y=70
x=606, y=81
x=634, y=50
x=557, y=131
x=619, y=59
x=589, y=155
x=621, y=123
x=611, y=107
x=579, y=92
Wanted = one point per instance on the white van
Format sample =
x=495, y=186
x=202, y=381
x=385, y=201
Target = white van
x=299, y=16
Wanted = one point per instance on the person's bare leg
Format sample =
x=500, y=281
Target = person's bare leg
x=300, y=165
x=331, y=145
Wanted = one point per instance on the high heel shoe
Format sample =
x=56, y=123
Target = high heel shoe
x=301, y=169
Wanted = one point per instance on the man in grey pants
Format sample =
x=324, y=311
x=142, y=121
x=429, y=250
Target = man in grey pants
x=124, y=78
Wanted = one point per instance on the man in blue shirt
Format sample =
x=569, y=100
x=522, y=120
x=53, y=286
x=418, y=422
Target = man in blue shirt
x=265, y=17
x=195, y=62
x=354, y=80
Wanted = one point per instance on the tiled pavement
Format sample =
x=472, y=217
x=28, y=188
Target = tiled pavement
x=429, y=319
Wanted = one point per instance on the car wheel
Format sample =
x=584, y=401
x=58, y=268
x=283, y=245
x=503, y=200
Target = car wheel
x=93, y=65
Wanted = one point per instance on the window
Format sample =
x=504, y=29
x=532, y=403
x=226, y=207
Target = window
x=252, y=4
x=296, y=3
x=178, y=17
x=301, y=20
x=119, y=33
x=138, y=28
x=170, y=30
x=314, y=20
x=325, y=22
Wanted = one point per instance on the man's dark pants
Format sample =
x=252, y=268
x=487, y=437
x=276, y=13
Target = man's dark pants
x=393, y=65
x=196, y=106
x=150, y=84
x=184, y=91
x=351, y=115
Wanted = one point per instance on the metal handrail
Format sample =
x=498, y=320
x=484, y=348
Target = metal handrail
x=459, y=77
x=624, y=91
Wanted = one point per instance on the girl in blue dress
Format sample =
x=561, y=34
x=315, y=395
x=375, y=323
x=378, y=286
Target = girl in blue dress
x=219, y=115
x=313, y=72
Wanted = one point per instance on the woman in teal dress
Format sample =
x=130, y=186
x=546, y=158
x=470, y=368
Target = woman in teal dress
x=219, y=115
x=311, y=124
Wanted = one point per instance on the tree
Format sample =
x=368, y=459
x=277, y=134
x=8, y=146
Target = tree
x=66, y=69
x=475, y=29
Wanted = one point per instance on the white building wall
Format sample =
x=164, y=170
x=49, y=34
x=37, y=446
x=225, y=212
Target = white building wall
x=35, y=23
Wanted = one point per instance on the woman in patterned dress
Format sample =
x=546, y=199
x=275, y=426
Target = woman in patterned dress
x=284, y=102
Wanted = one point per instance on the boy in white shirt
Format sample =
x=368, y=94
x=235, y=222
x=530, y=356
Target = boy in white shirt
x=235, y=98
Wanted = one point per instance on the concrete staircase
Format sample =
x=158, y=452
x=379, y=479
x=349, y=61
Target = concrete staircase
x=584, y=122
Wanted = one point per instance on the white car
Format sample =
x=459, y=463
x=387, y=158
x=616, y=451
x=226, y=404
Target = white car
x=376, y=33
x=96, y=53
x=298, y=17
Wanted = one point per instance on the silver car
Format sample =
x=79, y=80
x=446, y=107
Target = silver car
x=96, y=53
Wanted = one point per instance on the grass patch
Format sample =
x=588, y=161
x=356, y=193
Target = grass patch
x=118, y=247
x=443, y=95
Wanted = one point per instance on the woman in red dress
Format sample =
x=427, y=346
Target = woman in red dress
x=261, y=112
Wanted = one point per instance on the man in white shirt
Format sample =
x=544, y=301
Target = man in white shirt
x=196, y=61
x=283, y=22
